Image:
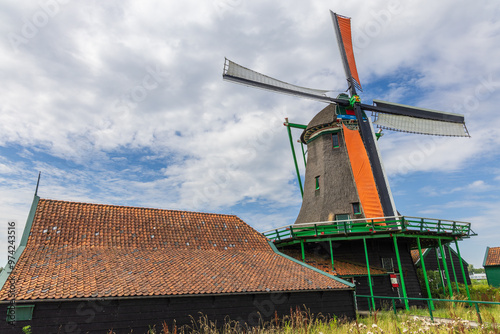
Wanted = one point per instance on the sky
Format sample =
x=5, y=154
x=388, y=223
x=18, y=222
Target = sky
x=123, y=102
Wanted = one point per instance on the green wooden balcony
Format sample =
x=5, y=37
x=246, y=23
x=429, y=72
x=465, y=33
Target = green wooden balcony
x=398, y=224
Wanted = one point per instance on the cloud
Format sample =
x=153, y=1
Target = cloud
x=478, y=186
x=123, y=102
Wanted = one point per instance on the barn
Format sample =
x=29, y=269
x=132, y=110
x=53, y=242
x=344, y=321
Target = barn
x=491, y=266
x=433, y=261
x=84, y=267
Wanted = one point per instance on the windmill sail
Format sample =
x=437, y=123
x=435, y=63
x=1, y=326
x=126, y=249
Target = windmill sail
x=342, y=27
x=243, y=75
x=400, y=117
x=420, y=125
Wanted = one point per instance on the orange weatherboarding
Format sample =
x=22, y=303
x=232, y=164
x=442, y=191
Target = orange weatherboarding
x=345, y=31
x=363, y=176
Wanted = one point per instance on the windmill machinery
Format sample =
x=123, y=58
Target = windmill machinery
x=344, y=174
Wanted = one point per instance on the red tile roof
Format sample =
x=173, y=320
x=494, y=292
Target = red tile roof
x=415, y=255
x=89, y=250
x=342, y=267
x=493, y=257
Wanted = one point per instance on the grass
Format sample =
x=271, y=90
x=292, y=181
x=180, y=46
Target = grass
x=463, y=318
x=489, y=313
x=306, y=323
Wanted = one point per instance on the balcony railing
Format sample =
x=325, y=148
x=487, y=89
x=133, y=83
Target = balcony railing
x=372, y=225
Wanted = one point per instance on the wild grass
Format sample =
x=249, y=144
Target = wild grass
x=460, y=318
x=305, y=323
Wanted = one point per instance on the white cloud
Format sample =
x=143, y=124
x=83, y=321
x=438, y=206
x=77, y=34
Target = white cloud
x=123, y=102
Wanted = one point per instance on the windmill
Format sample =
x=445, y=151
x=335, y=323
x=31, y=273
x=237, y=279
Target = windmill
x=344, y=175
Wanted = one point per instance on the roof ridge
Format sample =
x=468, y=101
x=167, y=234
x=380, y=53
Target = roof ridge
x=138, y=207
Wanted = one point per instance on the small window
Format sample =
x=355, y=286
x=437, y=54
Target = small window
x=356, y=208
x=342, y=217
x=317, y=182
x=19, y=312
x=388, y=264
x=335, y=140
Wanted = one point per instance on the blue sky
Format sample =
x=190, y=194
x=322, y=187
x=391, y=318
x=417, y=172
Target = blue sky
x=123, y=103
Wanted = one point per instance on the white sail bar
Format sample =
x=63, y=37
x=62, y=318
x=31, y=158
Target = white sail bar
x=243, y=75
x=420, y=125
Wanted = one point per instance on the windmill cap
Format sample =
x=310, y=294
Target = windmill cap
x=326, y=118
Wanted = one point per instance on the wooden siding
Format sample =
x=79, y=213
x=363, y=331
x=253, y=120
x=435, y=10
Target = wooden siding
x=125, y=315
x=353, y=250
x=431, y=264
x=493, y=275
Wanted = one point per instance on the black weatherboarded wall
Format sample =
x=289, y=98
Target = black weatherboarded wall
x=431, y=263
x=137, y=315
x=378, y=249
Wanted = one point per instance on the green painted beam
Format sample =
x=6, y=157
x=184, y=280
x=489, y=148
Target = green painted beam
x=349, y=284
x=302, y=249
x=422, y=262
x=450, y=289
x=463, y=271
x=369, y=274
x=453, y=270
x=401, y=273
x=295, y=125
x=294, y=157
x=440, y=272
x=372, y=236
x=331, y=255
x=358, y=237
x=303, y=154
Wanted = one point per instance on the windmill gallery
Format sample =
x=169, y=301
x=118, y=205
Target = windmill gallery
x=348, y=245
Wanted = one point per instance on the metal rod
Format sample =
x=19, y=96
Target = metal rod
x=440, y=271
x=297, y=126
x=450, y=289
x=331, y=255
x=401, y=274
x=424, y=272
x=302, y=249
x=429, y=303
x=453, y=270
x=369, y=274
x=303, y=153
x=463, y=271
x=294, y=157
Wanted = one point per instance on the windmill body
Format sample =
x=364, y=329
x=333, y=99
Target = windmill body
x=348, y=213
x=338, y=182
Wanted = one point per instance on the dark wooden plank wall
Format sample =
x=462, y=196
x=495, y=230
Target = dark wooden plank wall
x=126, y=315
x=431, y=264
x=353, y=250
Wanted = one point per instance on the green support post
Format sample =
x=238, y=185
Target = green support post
x=331, y=255
x=463, y=272
x=450, y=289
x=440, y=272
x=430, y=310
x=425, y=273
x=302, y=249
x=369, y=275
x=294, y=156
x=453, y=270
x=303, y=153
x=401, y=274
